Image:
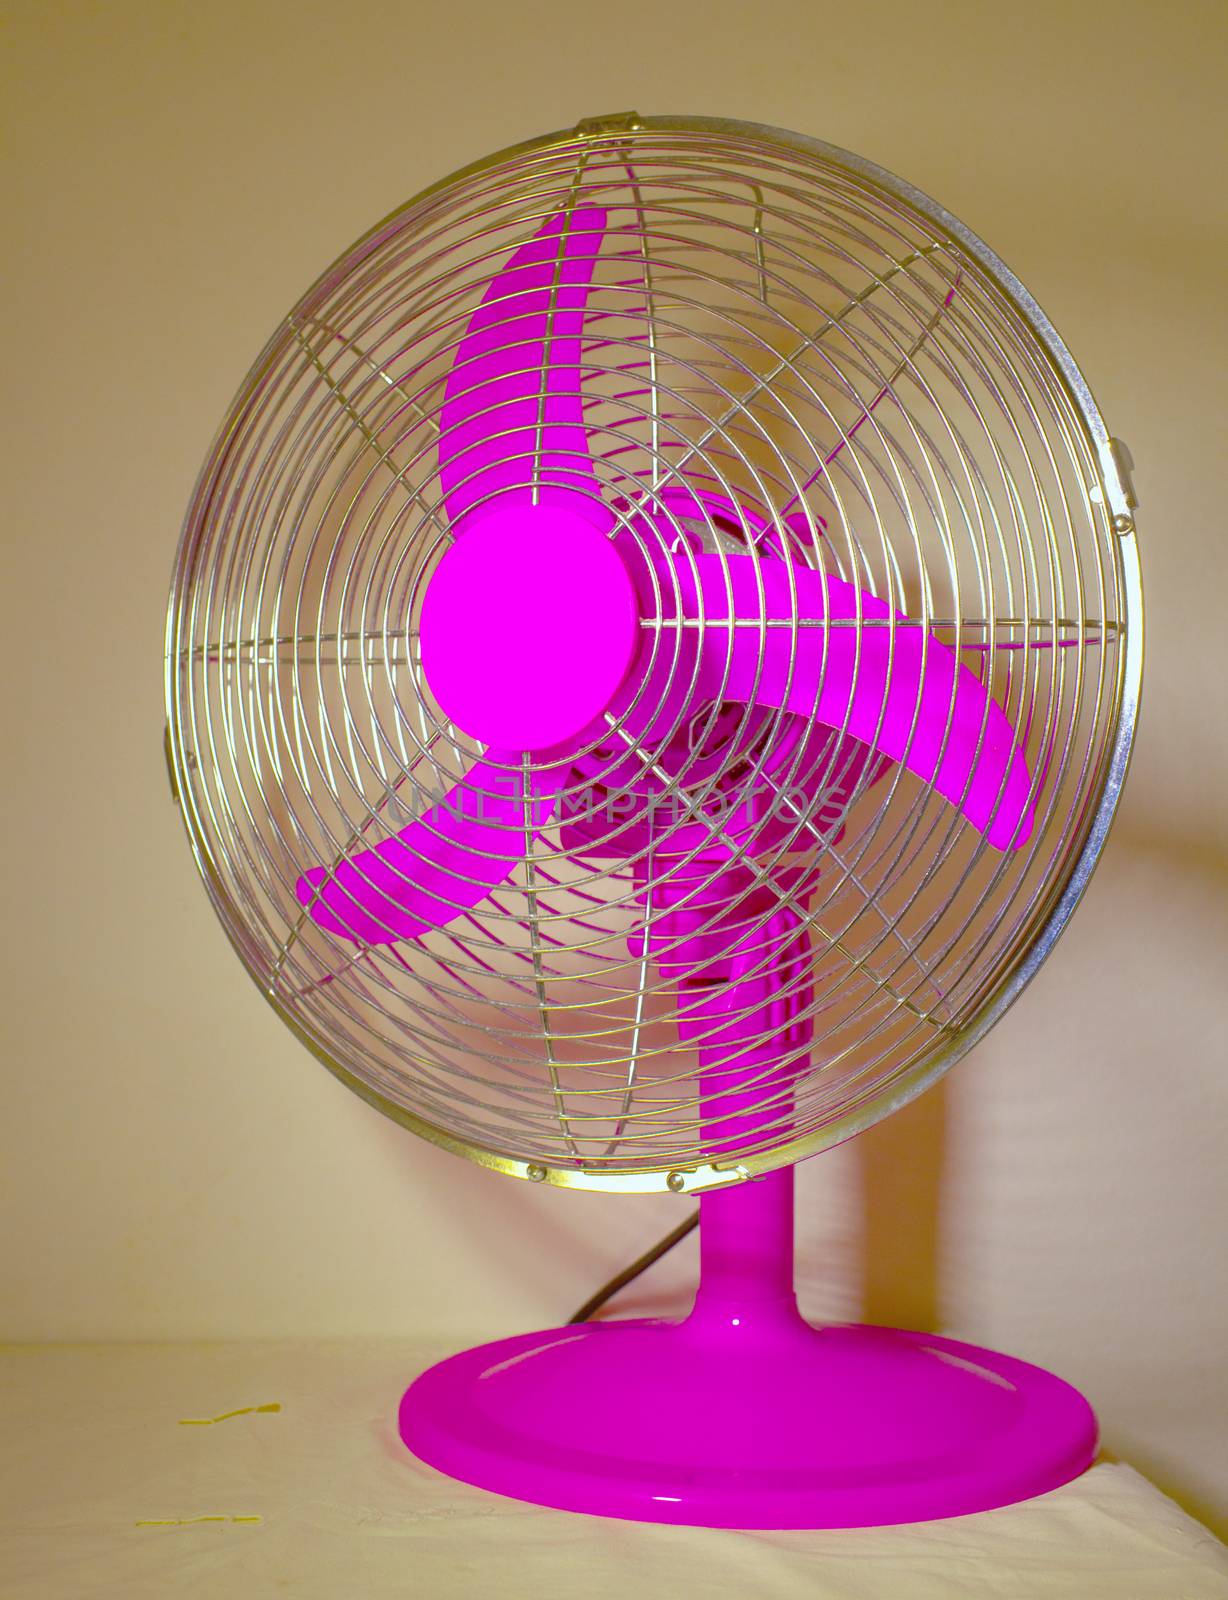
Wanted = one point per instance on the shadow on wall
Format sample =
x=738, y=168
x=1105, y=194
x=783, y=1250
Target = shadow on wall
x=900, y=1164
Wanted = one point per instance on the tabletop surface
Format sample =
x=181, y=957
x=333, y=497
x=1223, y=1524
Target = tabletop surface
x=256, y=1469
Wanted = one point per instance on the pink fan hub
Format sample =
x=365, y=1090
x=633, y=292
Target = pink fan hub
x=528, y=625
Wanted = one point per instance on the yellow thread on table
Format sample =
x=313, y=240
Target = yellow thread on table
x=181, y=1522
x=243, y=1411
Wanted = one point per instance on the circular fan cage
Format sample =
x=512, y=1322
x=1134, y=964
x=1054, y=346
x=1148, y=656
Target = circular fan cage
x=736, y=935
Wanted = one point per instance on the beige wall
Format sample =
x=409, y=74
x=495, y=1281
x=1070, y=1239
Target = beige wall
x=173, y=1164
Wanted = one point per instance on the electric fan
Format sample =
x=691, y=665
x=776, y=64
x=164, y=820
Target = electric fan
x=652, y=659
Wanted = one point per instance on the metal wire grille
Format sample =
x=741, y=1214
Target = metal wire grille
x=840, y=377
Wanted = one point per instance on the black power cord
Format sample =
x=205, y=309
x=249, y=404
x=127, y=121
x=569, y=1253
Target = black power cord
x=629, y=1274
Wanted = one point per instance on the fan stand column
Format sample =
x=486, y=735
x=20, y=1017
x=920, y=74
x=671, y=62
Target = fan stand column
x=746, y=1254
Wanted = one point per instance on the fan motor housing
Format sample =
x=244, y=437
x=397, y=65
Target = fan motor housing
x=528, y=626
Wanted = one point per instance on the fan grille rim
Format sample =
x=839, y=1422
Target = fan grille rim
x=1065, y=895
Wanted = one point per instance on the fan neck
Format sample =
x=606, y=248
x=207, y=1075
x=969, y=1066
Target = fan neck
x=746, y=1259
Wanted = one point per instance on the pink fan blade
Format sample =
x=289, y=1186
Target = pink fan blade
x=899, y=690
x=741, y=963
x=511, y=418
x=442, y=864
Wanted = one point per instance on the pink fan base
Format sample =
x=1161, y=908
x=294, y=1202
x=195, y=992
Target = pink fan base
x=745, y=1416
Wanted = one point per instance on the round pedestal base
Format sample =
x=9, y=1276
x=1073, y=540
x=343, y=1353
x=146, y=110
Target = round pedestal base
x=731, y=1423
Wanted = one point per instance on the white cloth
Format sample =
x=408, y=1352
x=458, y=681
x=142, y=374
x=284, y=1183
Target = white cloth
x=103, y=1480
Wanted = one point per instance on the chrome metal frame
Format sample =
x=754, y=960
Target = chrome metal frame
x=202, y=735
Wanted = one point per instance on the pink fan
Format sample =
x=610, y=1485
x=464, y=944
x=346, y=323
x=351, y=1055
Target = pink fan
x=748, y=845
